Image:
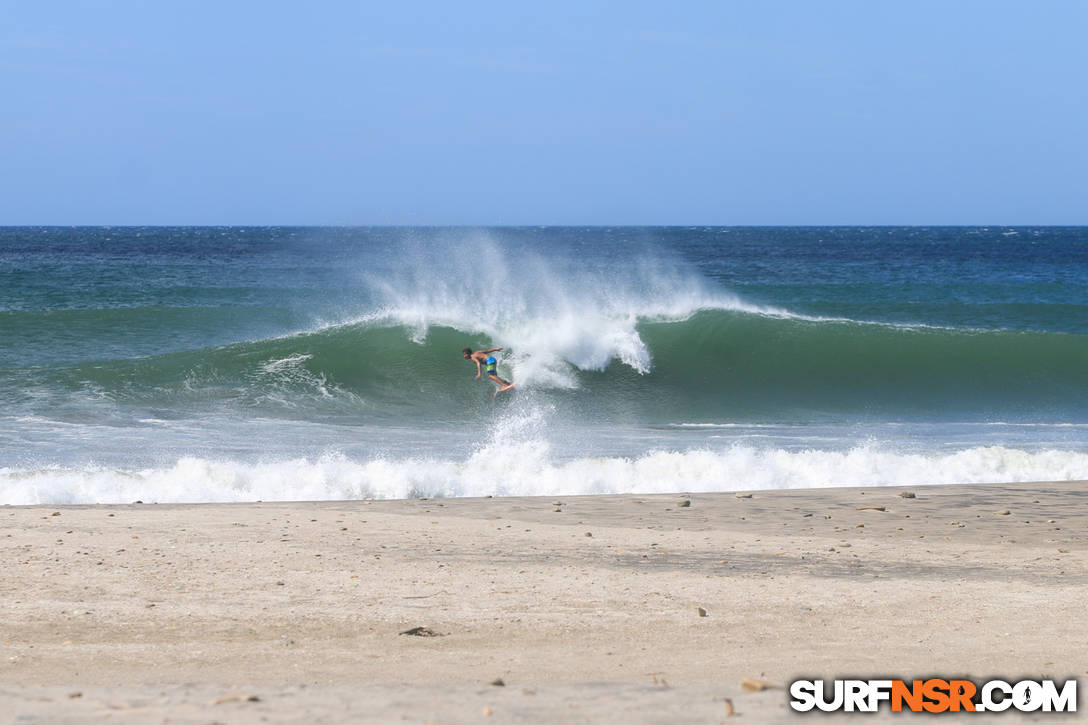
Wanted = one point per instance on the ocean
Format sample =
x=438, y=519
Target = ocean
x=279, y=363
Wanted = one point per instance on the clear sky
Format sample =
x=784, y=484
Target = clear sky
x=438, y=112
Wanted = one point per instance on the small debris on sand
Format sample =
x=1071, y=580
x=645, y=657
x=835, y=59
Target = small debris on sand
x=871, y=508
x=235, y=698
x=906, y=494
x=753, y=685
x=700, y=611
x=744, y=495
x=422, y=632
x=1003, y=512
x=684, y=504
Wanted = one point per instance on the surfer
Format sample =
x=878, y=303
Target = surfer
x=484, y=359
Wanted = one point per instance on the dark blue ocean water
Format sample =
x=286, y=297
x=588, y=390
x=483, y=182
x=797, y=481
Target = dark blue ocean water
x=235, y=363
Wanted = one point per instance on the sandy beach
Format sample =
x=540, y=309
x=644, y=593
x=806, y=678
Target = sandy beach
x=563, y=609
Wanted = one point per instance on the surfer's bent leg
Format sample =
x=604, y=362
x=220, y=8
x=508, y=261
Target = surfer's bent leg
x=499, y=380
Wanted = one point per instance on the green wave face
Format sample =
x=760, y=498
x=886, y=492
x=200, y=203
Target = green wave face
x=755, y=365
x=716, y=366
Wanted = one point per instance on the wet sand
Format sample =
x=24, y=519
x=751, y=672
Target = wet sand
x=587, y=608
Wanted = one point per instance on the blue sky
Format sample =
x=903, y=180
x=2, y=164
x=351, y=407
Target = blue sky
x=761, y=112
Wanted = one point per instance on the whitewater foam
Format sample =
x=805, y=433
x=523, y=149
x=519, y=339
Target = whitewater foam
x=527, y=468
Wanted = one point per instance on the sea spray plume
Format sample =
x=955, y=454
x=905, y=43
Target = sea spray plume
x=551, y=313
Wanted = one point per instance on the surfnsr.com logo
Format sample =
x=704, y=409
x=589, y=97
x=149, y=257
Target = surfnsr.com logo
x=934, y=695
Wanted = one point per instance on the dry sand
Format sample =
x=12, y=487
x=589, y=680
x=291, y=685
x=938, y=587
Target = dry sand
x=294, y=612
